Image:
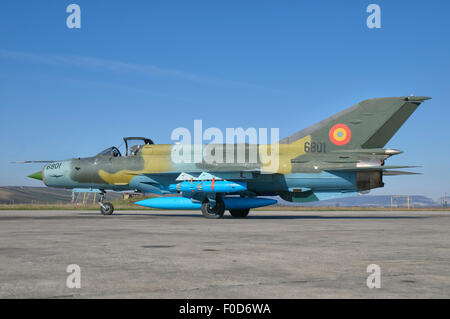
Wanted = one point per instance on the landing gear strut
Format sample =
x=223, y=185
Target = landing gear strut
x=106, y=208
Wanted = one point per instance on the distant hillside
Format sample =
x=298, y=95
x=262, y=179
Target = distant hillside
x=38, y=195
x=41, y=195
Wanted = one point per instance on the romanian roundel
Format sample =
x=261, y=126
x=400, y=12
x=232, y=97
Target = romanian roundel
x=340, y=134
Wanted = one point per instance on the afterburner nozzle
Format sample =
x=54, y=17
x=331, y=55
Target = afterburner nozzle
x=37, y=175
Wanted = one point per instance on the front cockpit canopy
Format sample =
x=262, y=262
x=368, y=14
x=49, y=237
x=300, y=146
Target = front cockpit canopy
x=110, y=151
x=132, y=147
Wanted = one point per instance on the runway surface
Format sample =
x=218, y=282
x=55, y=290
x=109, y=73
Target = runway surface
x=271, y=254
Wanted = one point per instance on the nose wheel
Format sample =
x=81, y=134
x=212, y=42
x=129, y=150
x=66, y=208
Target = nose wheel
x=106, y=208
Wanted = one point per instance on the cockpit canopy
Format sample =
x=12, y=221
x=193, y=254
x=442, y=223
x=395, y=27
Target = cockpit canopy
x=110, y=151
x=132, y=147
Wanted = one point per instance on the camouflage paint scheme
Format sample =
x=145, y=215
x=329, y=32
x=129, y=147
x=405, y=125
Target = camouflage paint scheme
x=339, y=156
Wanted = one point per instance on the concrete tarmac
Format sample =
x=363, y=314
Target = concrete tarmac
x=271, y=254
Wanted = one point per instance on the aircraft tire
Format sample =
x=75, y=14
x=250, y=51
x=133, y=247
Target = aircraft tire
x=213, y=213
x=108, y=210
x=239, y=213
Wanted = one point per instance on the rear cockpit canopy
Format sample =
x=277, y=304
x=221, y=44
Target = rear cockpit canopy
x=132, y=147
x=134, y=144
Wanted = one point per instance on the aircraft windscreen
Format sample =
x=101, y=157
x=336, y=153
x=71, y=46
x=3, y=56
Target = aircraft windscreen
x=111, y=151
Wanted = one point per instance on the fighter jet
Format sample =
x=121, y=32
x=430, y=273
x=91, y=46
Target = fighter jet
x=342, y=155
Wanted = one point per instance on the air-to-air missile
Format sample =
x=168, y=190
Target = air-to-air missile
x=342, y=155
x=208, y=187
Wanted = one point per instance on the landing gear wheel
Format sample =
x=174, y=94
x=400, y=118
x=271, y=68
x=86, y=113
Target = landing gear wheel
x=107, y=208
x=215, y=212
x=239, y=213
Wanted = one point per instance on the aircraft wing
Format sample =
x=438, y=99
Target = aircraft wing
x=28, y=162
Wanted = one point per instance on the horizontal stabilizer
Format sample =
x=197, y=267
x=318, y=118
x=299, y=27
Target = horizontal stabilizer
x=371, y=151
x=368, y=168
x=395, y=173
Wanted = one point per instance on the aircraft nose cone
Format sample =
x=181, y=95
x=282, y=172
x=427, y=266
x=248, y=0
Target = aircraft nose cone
x=37, y=175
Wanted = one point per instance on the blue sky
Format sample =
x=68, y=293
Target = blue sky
x=145, y=68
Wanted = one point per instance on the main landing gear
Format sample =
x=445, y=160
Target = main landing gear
x=218, y=210
x=239, y=213
x=106, y=208
x=215, y=212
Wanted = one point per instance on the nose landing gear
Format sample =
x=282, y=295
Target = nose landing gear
x=106, y=208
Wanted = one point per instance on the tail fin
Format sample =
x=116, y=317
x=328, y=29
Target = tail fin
x=368, y=124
